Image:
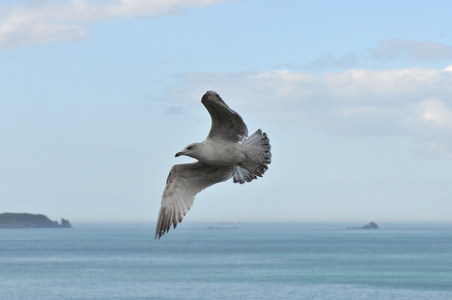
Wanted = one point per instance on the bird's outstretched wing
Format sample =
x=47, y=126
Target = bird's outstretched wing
x=227, y=125
x=183, y=183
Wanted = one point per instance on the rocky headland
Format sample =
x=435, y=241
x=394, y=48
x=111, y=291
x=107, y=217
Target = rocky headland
x=25, y=220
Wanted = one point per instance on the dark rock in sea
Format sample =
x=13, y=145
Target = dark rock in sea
x=65, y=223
x=24, y=220
x=371, y=225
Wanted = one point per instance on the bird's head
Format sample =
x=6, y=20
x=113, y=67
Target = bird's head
x=191, y=150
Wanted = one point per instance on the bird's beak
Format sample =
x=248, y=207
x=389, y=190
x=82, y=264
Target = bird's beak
x=178, y=154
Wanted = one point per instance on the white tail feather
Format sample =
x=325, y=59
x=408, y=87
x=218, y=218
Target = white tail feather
x=259, y=156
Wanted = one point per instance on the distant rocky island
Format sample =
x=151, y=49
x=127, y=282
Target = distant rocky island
x=25, y=220
x=371, y=225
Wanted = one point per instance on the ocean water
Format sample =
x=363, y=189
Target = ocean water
x=227, y=261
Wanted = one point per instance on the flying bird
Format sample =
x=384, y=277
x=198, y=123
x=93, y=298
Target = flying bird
x=226, y=152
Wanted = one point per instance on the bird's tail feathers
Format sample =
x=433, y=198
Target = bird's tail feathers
x=259, y=156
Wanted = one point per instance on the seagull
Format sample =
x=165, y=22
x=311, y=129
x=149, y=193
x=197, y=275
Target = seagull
x=226, y=152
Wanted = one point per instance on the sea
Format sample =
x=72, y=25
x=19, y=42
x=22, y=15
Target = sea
x=228, y=261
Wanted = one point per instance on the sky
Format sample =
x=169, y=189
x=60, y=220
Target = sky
x=96, y=97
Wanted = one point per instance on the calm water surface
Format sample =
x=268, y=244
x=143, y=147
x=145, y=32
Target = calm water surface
x=227, y=261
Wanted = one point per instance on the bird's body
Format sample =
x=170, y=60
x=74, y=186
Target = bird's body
x=219, y=154
x=226, y=152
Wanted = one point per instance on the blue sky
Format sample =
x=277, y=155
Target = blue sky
x=96, y=97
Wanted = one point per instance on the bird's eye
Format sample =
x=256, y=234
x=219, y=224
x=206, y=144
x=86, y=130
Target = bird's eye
x=189, y=147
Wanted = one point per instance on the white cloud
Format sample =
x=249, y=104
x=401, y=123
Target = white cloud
x=435, y=113
x=328, y=60
x=388, y=50
x=432, y=149
x=412, y=102
x=31, y=22
x=411, y=50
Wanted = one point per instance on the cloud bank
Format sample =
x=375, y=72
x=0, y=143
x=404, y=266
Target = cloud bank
x=414, y=102
x=46, y=21
x=411, y=50
x=386, y=51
